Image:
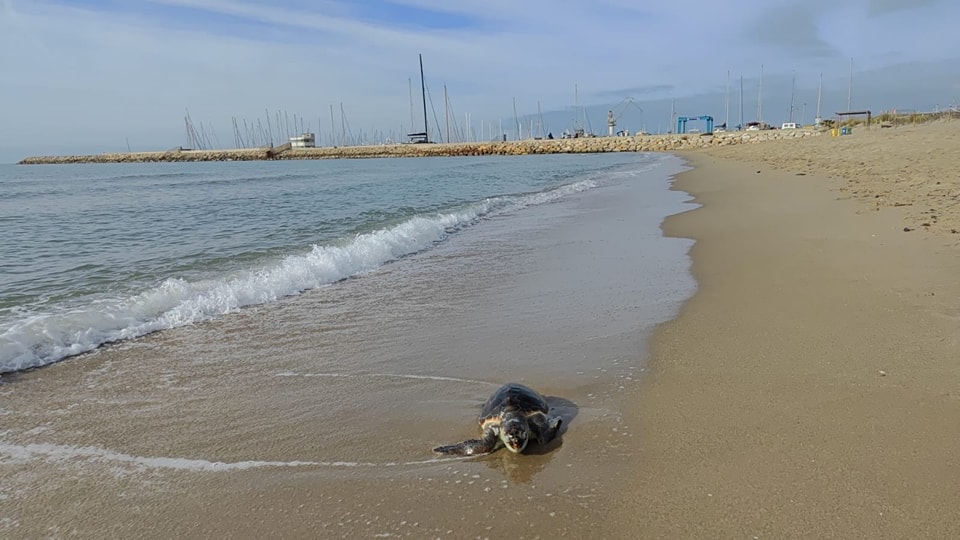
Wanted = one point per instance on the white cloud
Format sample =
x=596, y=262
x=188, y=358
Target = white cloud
x=85, y=79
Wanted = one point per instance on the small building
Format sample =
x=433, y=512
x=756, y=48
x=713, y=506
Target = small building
x=304, y=140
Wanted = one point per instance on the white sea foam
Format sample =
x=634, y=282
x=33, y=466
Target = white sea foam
x=66, y=454
x=385, y=375
x=41, y=339
x=45, y=338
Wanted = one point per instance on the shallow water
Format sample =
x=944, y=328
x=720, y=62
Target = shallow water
x=315, y=413
x=102, y=253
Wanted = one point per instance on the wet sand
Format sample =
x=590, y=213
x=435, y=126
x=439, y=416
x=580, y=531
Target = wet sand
x=811, y=388
x=808, y=389
x=314, y=417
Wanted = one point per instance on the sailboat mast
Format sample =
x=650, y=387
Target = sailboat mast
x=850, y=88
x=410, y=88
x=269, y=131
x=673, y=115
x=423, y=92
x=515, y=120
x=576, y=107
x=343, y=125
x=446, y=112
x=760, y=98
x=333, y=129
x=726, y=108
x=793, y=88
x=819, y=94
x=540, y=119
x=741, y=101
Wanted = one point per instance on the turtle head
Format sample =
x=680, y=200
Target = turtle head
x=515, y=433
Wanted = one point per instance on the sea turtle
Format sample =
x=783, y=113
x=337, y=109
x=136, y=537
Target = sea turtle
x=513, y=415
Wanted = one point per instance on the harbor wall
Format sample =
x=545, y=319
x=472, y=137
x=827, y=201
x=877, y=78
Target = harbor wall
x=586, y=145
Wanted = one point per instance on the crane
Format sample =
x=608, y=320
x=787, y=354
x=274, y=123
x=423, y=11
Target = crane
x=619, y=110
x=682, y=122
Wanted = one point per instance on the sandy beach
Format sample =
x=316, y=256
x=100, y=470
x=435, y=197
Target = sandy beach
x=314, y=416
x=811, y=388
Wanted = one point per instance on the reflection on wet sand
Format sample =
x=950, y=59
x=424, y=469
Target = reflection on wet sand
x=522, y=468
x=315, y=416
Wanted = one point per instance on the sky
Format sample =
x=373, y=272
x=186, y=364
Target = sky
x=91, y=76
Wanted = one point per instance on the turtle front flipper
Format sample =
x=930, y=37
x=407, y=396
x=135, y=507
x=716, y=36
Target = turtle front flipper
x=472, y=447
x=545, y=428
x=553, y=430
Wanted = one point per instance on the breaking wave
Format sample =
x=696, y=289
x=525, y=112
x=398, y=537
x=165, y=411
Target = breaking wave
x=38, y=339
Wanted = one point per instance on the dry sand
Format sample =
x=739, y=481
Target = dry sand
x=811, y=388
x=914, y=167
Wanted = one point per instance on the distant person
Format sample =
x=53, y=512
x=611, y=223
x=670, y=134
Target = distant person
x=550, y=135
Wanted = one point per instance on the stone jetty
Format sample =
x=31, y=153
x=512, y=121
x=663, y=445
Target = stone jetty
x=585, y=145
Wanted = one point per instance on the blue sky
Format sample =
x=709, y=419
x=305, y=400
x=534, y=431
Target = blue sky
x=89, y=76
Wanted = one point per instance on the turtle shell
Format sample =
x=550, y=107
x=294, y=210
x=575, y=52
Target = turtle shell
x=512, y=398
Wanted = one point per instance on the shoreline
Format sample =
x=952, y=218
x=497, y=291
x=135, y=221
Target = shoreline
x=587, y=145
x=809, y=387
x=315, y=416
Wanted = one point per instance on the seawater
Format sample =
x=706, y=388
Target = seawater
x=94, y=254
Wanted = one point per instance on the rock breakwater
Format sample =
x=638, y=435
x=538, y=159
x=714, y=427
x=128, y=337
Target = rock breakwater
x=587, y=145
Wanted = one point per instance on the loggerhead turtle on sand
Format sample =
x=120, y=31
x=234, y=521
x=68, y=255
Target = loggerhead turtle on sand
x=513, y=415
